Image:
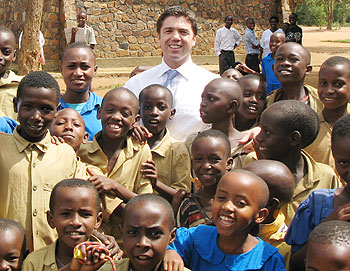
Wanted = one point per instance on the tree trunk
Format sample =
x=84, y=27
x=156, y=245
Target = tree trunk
x=29, y=54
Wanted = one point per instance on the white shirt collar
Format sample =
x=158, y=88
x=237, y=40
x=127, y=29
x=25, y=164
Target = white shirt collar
x=185, y=69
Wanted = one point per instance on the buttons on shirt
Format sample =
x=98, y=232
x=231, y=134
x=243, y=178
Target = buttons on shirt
x=35, y=188
x=53, y=266
x=34, y=164
x=35, y=213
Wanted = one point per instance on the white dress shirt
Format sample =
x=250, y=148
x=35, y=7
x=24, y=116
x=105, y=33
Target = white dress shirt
x=265, y=40
x=226, y=39
x=186, y=87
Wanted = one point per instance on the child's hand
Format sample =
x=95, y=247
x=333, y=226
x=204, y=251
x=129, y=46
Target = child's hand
x=340, y=213
x=57, y=140
x=140, y=134
x=103, y=184
x=172, y=261
x=149, y=171
x=247, y=139
x=110, y=243
x=178, y=198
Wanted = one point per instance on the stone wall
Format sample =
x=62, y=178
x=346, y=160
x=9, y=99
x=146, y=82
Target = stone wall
x=127, y=27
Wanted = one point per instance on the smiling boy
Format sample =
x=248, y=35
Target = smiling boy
x=89, y=35
x=177, y=33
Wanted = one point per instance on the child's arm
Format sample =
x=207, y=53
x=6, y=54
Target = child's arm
x=149, y=171
x=172, y=261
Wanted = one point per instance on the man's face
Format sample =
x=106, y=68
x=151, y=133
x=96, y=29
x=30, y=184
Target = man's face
x=176, y=39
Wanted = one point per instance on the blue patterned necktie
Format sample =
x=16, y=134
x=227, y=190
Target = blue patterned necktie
x=170, y=76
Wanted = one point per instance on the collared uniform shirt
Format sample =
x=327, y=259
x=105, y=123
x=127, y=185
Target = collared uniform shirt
x=249, y=40
x=28, y=172
x=226, y=39
x=173, y=163
x=8, y=90
x=319, y=176
x=272, y=82
x=186, y=87
x=265, y=40
x=89, y=114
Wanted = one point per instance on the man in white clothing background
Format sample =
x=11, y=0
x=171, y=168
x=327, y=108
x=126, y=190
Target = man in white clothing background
x=177, y=32
x=226, y=40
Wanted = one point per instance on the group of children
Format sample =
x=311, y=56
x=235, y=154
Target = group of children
x=76, y=164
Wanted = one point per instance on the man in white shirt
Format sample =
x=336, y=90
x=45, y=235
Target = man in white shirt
x=226, y=40
x=177, y=31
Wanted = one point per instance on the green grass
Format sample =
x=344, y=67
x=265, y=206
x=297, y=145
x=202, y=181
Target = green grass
x=338, y=41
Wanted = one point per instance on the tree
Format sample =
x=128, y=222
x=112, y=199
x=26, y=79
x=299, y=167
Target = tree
x=29, y=54
x=329, y=8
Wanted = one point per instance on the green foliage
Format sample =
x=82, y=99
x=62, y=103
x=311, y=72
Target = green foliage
x=342, y=12
x=311, y=12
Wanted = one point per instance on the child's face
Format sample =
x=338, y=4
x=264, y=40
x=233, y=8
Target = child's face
x=293, y=19
x=334, y=86
x=228, y=21
x=341, y=154
x=117, y=114
x=327, y=257
x=291, y=63
x=232, y=74
x=215, y=104
x=36, y=109
x=78, y=69
x=146, y=234
x=11, y=250
x=254, y=97
x=81, y=18
x=236, y=204
x=209, y=160
x=69, y=125
x=156, y=109
x=74, y=215
x=275, y=42
x=272, y=142
x=7, y=51
x=250, y=24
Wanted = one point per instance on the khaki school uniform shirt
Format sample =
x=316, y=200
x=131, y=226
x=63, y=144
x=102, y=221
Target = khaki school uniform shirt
x=28, y=172
x=318, y=176
x=8, y=90
x=320, y=150
x=173, y=163
x=126, y=171
x=314, y=101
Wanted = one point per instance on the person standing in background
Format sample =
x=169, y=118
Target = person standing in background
x=265, y=38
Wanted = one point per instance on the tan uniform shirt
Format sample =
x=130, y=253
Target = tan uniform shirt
x=8, y=90
x=314, y=100
x=126, y=171
x=320, y=150
x=318, y=176
x=173, y=163
x=28, y=172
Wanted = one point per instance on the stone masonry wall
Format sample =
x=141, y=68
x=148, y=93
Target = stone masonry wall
x=127, y=27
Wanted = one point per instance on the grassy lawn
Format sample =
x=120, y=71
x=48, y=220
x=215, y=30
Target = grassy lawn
x=339, y=41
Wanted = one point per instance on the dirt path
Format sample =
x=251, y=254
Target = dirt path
x=312, y=40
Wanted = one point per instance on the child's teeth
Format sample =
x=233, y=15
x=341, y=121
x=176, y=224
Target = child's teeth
x=225, y=218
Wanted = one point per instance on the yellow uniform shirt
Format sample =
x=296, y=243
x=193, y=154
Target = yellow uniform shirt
x=8, y=90
x=28, y=172
x=314, y=100
x=126, y=171
x=320, y=150
x=173, y=163
x=318, y=176
x=273, y=234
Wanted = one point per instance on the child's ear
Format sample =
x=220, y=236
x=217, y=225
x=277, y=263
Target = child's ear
x=58, y=107
x=15, y=103
x=85, y=138
x=136, y=122
x=98, y=220
x=172, y=113
x=95, y=70
x=233, y=106
x=14, y=56
x=194, y=40
x=229, y=163
x=99, y=113
x=49, y=217
x=308, y=69
x=295, y=138
x=273, y=204
x=172, y=236
x=261, y=215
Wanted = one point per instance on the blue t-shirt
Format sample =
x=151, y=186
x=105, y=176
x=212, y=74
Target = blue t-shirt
x=198, y=248
x=310, y=213
x=271, y=81
x=7, y=125
x=89, y=114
